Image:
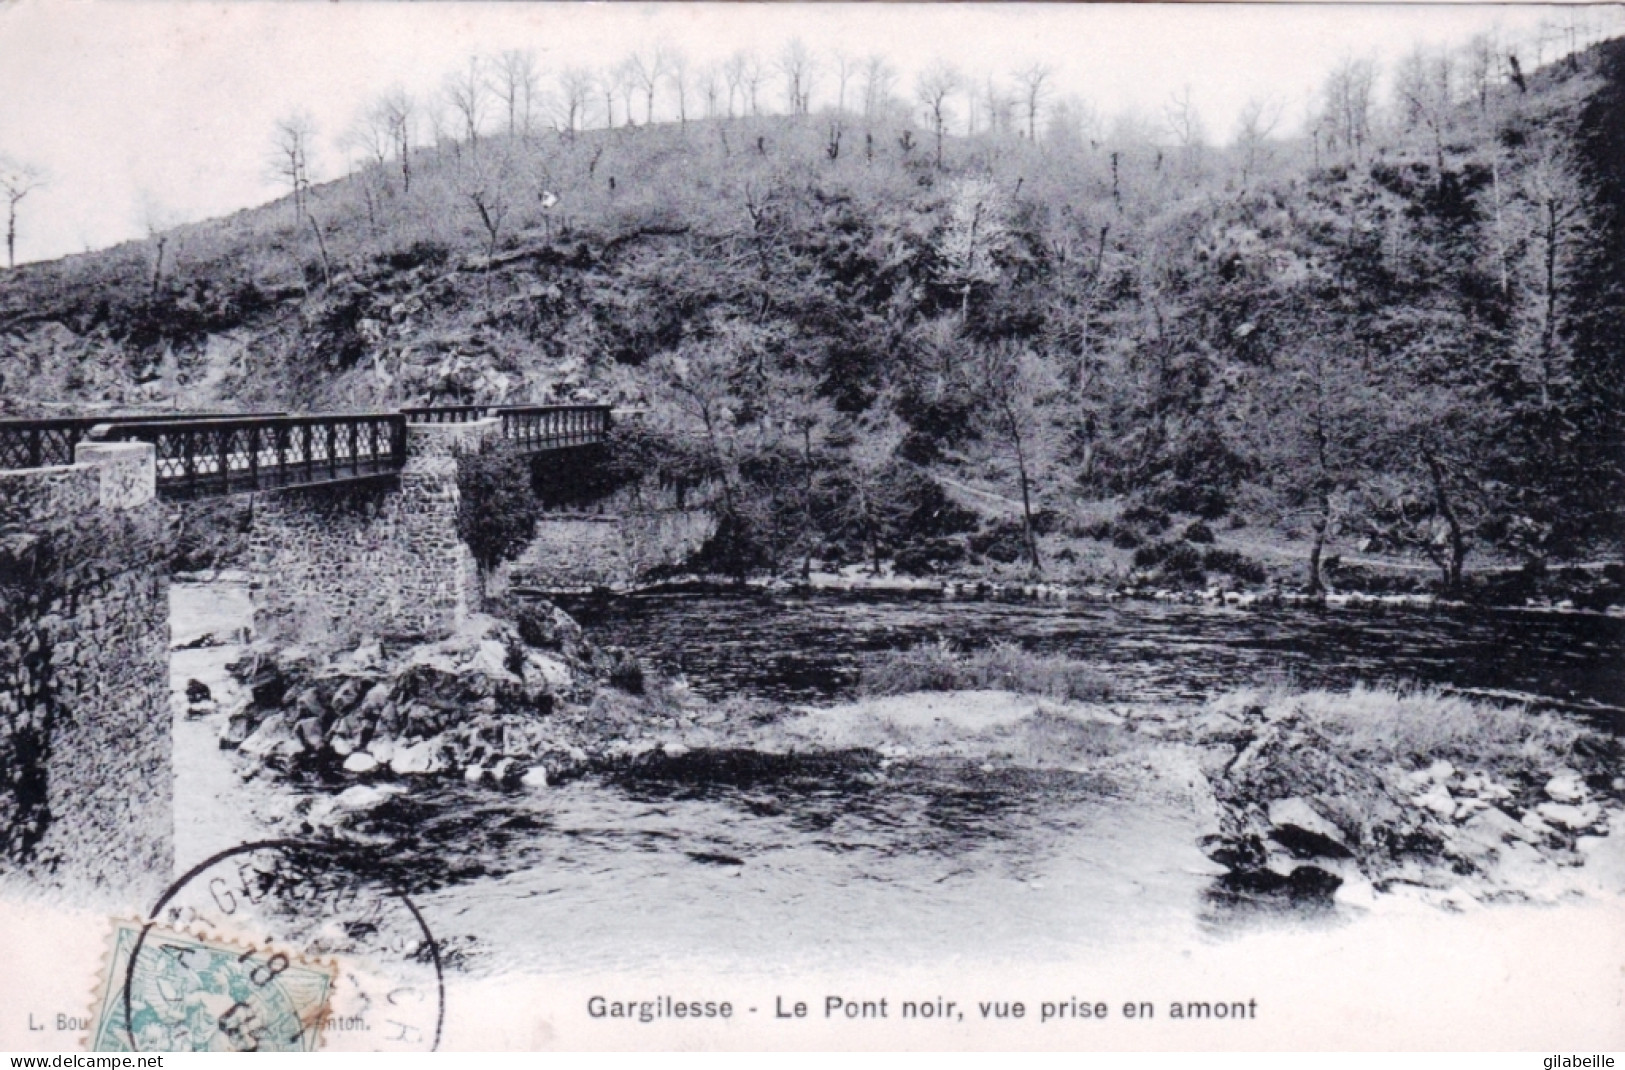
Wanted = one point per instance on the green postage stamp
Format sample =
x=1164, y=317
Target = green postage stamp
x=191, y=993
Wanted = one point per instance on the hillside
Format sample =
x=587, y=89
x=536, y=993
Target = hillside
x=1404, y=343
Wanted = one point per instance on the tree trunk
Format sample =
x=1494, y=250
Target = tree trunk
x=1315, y=586
x=1027, y=508
x=1458, y=541
x=1548, y=329
x=806, y=500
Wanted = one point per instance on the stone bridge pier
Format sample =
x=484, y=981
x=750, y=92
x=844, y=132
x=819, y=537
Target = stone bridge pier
x=86, y=770
x=378, y=558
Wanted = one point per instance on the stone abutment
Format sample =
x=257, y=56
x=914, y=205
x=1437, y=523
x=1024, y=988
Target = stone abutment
x=379, y=558
x=86, y=770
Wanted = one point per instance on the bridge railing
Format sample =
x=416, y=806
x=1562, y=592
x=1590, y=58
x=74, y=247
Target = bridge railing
x=207, y=454
x=551, y=427
x=445, y=414
x=203, y=458
x=26, y=443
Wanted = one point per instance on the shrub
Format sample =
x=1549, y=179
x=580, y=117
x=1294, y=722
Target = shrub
x=1126, y=538
x=1199, y=532
x=496, y=511
x=1146, y=516
x=1174, y=560
x=924, y=557
x=1001, y=667
x=1235, y=564
x=1004, y=541
x=626, y=673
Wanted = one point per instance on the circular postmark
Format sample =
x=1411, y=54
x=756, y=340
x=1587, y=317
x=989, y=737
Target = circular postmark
x=277, y=945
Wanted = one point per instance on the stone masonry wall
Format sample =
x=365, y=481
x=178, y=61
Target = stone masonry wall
x=86, y=771
x=379, y=559
x=610, y=550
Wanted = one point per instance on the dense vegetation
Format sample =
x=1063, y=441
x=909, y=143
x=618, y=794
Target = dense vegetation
x=871, y=339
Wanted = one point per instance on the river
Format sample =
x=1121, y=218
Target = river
x=810, y=647
x=848, y=859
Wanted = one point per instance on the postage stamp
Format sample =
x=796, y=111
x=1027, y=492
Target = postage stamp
x=168, y=990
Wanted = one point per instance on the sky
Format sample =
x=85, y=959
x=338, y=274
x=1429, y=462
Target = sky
x=162, y=111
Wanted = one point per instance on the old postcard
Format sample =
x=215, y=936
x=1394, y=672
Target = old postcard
x=722, y=526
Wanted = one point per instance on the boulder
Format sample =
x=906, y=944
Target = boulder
x=363, y=797
x=1298, y=827
x=374, y=700
x=475, y=774
x=1563, y=788
x=1438, y=800
x=309, y=703
x=360, y=762
x=535, y=777
x=309, y=731
x=198, y=710
x=348, y=694
x=506, y=771
x=416, y=760
x=1568, y=816
x=1495, y=825
x=197, y=691
x=272, y=736
x=237, y=729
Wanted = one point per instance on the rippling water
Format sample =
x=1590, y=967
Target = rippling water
x=810, y=647
x=836, y=859
x=827, y=860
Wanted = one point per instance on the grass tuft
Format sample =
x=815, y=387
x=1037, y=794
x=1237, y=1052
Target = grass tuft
x=1415, y=726
x=1001, y=667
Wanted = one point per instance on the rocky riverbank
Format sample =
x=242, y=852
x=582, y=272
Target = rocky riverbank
x=1381, y=791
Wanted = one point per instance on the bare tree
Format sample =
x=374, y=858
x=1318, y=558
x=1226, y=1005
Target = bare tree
x=516, y=80
x=879, y=82
x=1015, y=386
x=1346, y=105
x=368, y=136
x=608, y=84
x=17, y=180
x=1034, y=83
x=733, y=74
x=799, y=67
x=400, y=115
x=465, y=93
x=1184, y=124
x=1424, y=94
x=646, y=73
x=755, y=73
x=1481, y=58
x=678, y=73
x=998, y=105
x=575, y=91
x=934, y=86
x=1254, y=126
x=629, y=81
x=709, y=81
x=845, y=67
x=1554, y=205
x=292, y=139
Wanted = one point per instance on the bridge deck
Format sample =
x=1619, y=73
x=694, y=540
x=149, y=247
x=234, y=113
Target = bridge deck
x=212, y=454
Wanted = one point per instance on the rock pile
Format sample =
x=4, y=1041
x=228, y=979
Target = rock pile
x=1299, y=815
x=480, y=704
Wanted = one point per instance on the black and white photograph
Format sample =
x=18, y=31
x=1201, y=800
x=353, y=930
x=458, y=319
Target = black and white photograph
x=792, y=526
